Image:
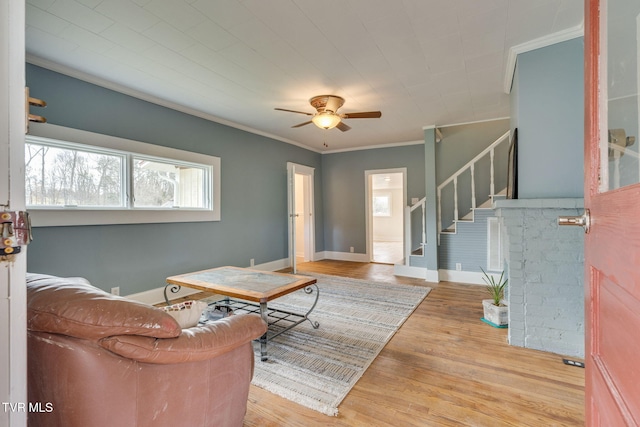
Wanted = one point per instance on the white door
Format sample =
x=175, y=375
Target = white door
x=300, y=215
x=304, y=251
x=13, y=331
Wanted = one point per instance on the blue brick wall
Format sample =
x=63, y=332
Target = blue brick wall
x=546, y=277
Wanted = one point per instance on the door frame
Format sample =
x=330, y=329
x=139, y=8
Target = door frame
x=308, y=173
x=369, y=207
x=13, y=298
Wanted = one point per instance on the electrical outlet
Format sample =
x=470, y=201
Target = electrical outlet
x=458, y=266
x=351, y=249
x=252, y=262
x=115, y=290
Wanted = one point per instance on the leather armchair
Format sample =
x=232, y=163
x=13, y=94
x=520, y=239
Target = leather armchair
x=95, y=359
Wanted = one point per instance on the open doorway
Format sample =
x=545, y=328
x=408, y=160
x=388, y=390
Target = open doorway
x=301, y=224
x=302, y=218
x=386, y=199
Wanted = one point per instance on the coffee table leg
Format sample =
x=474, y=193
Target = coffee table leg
x=173, y=288
x=309, y=290
x=263, y=338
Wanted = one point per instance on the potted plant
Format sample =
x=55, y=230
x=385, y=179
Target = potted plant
x=496, y=312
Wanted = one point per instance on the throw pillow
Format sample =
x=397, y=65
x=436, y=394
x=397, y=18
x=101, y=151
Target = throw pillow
x=187, y=313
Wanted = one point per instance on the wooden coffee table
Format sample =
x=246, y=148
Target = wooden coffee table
x=247, y=290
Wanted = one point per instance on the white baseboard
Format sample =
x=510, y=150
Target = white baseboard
x=432, y=276
x=471, y=277
x=409, y=271
x=276, y=265
x=156, y=296
x=344, y=256
x=416, y=273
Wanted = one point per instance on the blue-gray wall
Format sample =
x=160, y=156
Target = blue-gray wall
x=548, y=99
x=139, y=257
x=343, y=188
x=545, y=264
x=462, y=143
x=468, y=246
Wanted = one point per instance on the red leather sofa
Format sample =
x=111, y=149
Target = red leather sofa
x=95, y=359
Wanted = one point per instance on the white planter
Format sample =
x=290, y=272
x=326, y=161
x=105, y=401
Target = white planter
x=494, y=314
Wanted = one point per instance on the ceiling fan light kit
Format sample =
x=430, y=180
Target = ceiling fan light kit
x=326, y=120
x=327, y=116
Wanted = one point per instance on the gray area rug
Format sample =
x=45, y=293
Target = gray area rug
x=318, y=367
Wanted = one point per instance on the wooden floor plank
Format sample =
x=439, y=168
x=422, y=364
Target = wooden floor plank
x=444, y=367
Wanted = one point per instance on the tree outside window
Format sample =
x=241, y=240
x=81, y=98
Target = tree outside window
x=382, y=205
x=58, y=176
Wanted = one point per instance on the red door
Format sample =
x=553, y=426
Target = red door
x=612, y=196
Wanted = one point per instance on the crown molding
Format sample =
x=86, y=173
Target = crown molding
x=373, y=147
x=98, y=81
x=473, y=122
x=548, y=40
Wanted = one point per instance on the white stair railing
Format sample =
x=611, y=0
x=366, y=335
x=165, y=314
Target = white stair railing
x=470, y=166
x=408, y=234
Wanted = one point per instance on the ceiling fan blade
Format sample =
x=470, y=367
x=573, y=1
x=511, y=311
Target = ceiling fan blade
x=294, y=111
x=343, y=126
x=362, y=115
x=301, y=124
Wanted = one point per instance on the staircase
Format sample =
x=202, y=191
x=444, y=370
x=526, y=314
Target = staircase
x=463, y=198
x=464, y=212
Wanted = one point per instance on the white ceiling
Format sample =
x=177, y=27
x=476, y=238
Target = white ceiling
x=420, y=62
x=387, y=181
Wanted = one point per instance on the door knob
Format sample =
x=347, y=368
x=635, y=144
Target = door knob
x=583, y=220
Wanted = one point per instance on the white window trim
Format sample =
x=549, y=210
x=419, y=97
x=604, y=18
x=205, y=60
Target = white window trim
x=45, y=217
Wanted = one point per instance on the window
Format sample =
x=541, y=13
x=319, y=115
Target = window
x=57, y=176
x=108, y=180
x=165, y=184
x=382, y=205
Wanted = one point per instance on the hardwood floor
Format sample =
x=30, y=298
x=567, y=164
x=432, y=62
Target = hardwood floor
x=444, y=367
x=387, y=252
